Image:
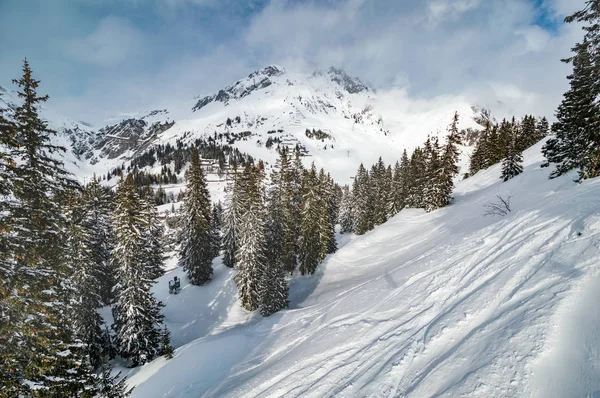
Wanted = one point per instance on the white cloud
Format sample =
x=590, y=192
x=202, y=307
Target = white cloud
x=114, y=40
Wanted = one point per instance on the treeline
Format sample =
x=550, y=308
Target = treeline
x=505, y=142
x=270, y=229
x=425, y=180
x=66, y=251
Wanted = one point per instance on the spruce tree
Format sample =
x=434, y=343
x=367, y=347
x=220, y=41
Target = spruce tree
x=512, y=165
x=235, y=207
x=197, y=239
x=363, y=203
x=97, y=206
x=215, y=228
x=251, y=256
x=346, y=211
x=111, y=386
x=577, y=136
x=84, y=282
x=448, y=165
x=165, y=342
x=417, y=178
x=137, y=313
x=40, y=352
x=312, y=245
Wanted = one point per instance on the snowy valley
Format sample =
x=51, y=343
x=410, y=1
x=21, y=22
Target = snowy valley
x=301, y=232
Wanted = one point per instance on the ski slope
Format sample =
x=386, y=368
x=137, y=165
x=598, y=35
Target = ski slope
x=450, y=303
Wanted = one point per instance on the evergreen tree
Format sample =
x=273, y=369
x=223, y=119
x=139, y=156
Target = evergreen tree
x=346, y=211
x=40, y=353
x=215, y=228
x=153, y=236
x=235, y=208
x=577, y=138
x=312, y=245
x=97, y=207
x=417, y=178
x=197, y=239
x=542, y=129
x=111, y=386
x=512, y=164
x=165, y=342
x=84, y=283
x=448, y=165
x=363, y=205
x=251, y=256
x=137, y=312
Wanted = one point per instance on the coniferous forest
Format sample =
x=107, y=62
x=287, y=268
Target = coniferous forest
x=69, y=249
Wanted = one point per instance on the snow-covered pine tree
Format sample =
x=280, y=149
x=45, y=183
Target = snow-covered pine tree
x=297, y=172
x=512, y=165
x=577, y=134
x=235, y=207
x=432, y=185
x=137, y=312
x=542, y=129
x=272, y=287
x=330, y=211
x=153, y=234
x=417, y=178
x=363, y=203
x=380, y=189
x=346, y=211
x=312, y=246
x=97, y=207
x=40, y=353
x=527, y=133
x=165, y=343
x=83, y=281
x=215, y=228
x=197, y=241
x=251, y=256
x=448, y=165
x=111, y=386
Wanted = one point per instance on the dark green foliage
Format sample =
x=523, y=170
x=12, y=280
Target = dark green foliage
x=137, y=313
x=197, y=237
x=512, y=165
x=576, y=144
x=111, y=386
x=363, y=205
x=312, y=243
x=40, y=350
x=165, y=343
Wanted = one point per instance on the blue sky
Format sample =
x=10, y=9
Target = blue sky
x=97, y=58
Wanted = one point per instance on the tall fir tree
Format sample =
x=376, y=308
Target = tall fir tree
x=97, y=206
x=137, y=314
x=84, y=282
x=448, y=165
x=312, y=245
x=235, y=207
x=40, y=352
x=197, y=240
x=251, y=255
x=346, y=211
x=512, y=165
x=576, y=144
x=363, y=205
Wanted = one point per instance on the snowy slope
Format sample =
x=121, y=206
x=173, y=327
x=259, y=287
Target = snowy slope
x=449, y=303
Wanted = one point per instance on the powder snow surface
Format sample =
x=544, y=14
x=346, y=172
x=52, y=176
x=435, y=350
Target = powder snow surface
x=450, y=303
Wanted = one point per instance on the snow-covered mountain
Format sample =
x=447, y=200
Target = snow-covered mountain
x=450, y=303
x=272, y=107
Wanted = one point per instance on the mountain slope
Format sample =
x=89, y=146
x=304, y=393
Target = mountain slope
x=271, y=107
x=450, y=303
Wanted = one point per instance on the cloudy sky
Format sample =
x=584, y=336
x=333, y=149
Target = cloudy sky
x=98, y=58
